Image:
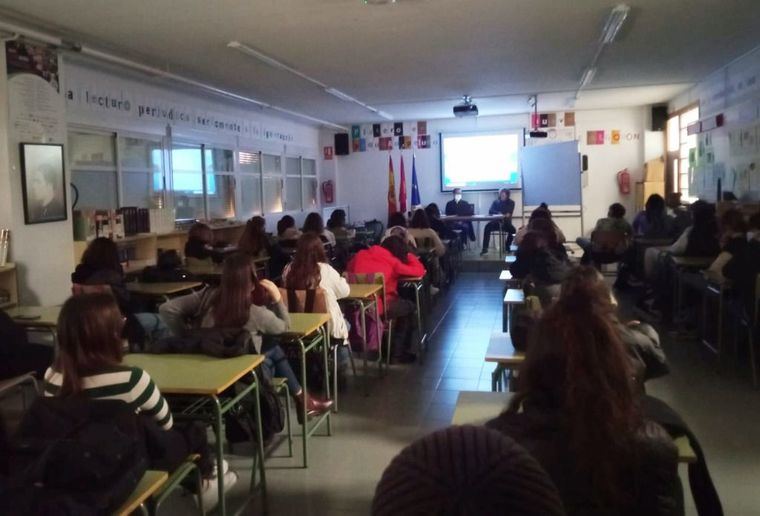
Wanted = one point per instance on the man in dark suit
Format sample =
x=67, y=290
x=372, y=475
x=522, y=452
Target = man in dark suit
x=504, y=206
x=457, y=206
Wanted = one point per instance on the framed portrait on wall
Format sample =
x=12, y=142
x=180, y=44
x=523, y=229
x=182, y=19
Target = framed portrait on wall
x=43, y=182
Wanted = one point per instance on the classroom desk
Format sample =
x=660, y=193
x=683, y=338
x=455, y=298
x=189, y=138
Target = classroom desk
x=417, y=283
x=162, y=290
x=479, y=219
x=365, y=296
x=717, y=286
x=37, y=318
x=681, y=264
x=194, y=384
x=150, y=482
x=311, y=328
x=476, y=408
x=512, y=297
x=502, y=352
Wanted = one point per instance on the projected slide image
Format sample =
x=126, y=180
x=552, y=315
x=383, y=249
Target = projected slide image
x=479, y=161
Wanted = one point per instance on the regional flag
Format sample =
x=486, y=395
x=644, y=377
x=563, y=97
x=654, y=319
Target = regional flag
x=415, y=188
x=392, y=208
x=402, y=188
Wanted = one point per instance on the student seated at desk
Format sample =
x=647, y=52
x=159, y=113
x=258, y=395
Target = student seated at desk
x=254, y=241
x=397, y=226
x=200, y=244
x=465, y=471
x=699, y=239
x=576, y=411
x=310, y=270
x=653, y=221
x=615, y=225
x=337, y=224
x=436, y=224
x=17, y=355
x=679, y=213
x=100, y=268
x=501, y=206
x=539, y=213
x=392, y=259
x=419, y=229
x=287, y=231
x=314, y=224
x=733, y=241
x=457, y=206
x=89, y=363
x=242, y=301
x=542, y=260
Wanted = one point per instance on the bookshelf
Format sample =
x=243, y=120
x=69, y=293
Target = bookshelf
x=9, y=284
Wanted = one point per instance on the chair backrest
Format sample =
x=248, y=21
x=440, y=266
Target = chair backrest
x=377, y=229
x=79, y=288
x=310, y=301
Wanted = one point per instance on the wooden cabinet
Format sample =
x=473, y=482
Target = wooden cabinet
x=8, y=286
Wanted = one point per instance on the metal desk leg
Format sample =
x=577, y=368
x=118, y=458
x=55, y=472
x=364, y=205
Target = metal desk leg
x=423, y=344
x=218, y=427
x=260, y=445
x=305, y=419
x=363, y=309
x=325, y=348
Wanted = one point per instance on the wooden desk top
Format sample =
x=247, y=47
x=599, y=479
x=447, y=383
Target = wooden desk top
x=302, y=325
x=505, y=276
x=502, y=351
x=162, y=289
x=45, y=316
x=193, y=374
x=514, y=296
x=476, y=408
x=150, y=482
x=411, y=278
x=363, y=290
x=695, y=262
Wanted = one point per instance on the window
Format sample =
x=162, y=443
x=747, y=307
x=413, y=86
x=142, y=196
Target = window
x=92, y=157
x=187, y=181
x=142, y=172
x=679, y=144
x=249, y=168
x=309, y=188
x=271, y=170
x=293, y=199
x=220, y=183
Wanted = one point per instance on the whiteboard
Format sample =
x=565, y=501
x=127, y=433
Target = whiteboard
x=551, y=174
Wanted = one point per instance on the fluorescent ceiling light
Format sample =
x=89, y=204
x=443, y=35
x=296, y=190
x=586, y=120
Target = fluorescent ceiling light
x=342, y=96
x=588, y=76
x=252, y=52
x=614, y=23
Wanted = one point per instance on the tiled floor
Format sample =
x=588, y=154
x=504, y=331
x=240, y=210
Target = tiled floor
x=416, y=399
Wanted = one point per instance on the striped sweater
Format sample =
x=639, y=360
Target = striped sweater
x=129, y=384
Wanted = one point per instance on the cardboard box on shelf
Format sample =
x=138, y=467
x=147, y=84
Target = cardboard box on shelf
x=654, y=170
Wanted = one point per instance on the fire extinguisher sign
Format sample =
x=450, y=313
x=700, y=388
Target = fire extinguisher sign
x=328, y=152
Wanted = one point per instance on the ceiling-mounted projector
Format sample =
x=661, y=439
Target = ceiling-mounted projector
x=466, y=108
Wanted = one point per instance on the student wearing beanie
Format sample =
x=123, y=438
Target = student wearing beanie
x=465, y=470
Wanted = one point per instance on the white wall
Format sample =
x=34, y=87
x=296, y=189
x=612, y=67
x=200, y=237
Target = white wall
x=43, y=253
x=362, y=177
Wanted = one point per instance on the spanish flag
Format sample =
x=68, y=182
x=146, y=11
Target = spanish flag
x=402, y=188
x=392, y=208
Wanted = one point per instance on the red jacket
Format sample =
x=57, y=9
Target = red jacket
x=378, y=259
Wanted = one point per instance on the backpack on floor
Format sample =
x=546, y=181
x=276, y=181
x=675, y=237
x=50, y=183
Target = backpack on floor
x=355, y=338
x=240, y=423
x=74, y=456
